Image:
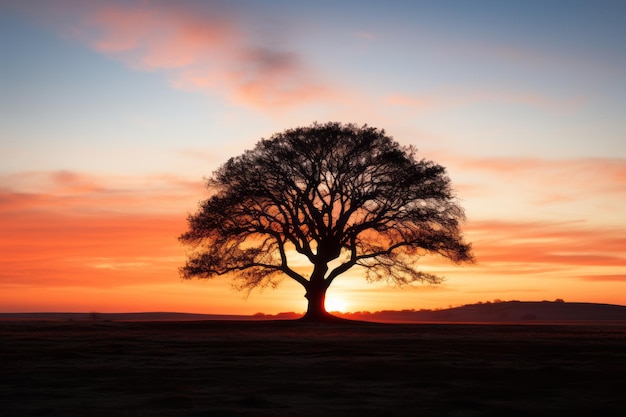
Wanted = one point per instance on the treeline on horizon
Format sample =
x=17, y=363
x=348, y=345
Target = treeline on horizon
x=487, y=311
x=411, y=310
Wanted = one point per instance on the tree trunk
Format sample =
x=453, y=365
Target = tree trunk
x=316, y=310
x=316, y=294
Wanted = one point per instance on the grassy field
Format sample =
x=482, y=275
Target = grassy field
x=235, y=368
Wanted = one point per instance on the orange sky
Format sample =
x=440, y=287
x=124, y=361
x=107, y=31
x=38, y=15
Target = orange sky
x=88, y=248
x=112, y=112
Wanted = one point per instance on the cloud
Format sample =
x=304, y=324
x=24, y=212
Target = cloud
x=201, y=47
x=71, y=228
x=597, y=175
x=592, y=189
x=82, y=193
x=604, y=278
x=68, y=228
x=100, y=250
x=546, y=245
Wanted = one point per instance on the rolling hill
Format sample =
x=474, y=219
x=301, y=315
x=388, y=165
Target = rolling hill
x=506, y=312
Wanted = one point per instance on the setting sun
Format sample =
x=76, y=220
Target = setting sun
x=336, y=303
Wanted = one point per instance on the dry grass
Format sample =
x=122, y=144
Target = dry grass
x=219, y=368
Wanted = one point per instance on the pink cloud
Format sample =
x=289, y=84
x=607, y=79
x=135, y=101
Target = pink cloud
x=547, y=244
x=74, y=192
x=153, y=38
x=584, y=233
x=589, y=186
x=204, y=48
x=597, y=174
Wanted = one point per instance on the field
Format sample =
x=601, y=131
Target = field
x=284, y=368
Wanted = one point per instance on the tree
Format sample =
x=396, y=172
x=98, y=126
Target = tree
x=339, y=195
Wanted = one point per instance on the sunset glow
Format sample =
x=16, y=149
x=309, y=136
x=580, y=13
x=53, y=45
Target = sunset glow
x=112, y=112
x=335, y=303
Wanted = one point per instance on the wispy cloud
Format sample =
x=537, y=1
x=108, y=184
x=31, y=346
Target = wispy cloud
x=100, y=250
x=201, y=47
x=207, y=47
x=564, y=223
x=73, y=229
x=604, y=278
x=596, y=175
x=530, y=188
x=546, y=245
x=63, y=228
x=78, y=192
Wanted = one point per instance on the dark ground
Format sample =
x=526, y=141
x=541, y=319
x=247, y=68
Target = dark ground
x=234, y=368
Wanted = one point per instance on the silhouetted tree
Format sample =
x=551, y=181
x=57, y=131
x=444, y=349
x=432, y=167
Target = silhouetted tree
x=339, y=195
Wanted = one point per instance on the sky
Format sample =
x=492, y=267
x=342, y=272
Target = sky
x=112, y=113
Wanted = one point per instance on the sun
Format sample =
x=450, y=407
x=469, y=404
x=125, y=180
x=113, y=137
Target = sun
x=336, y=303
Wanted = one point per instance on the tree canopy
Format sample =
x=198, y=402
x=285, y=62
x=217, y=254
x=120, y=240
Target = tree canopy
x=338, y=194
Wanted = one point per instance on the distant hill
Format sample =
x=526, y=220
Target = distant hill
x=490, y=312
x=506, y=312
